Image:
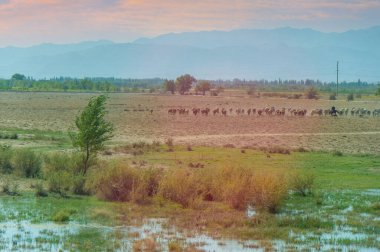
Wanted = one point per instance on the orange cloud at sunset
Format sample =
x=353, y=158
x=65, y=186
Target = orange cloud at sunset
x=26, y=22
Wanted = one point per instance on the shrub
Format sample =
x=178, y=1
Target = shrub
x=26, y=163
x=268, y=191
x=169, y=142
x=337, y=153
x=350, y=97
x=63, y=215
x=5, y=160
x=181, y=186
x=229, y=146
x=78, y=185
x=376, y=206
x=311, y=93
x=62, y=173
x=276, y=150
x=11, y=189
x=332, y=97
x=231, y=185
x=120, y=182
x=302, y=183
x=13, y=136
x=40, y=190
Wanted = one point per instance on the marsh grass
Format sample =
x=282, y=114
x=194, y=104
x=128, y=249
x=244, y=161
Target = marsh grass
x=6, y=165
x=303, y=182
x=40, y=190
x=61, y=216
x=11, y=188
x=236, y=187
x=120, y=182
x=27, y=163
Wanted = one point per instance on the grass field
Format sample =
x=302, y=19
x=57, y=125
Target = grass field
x=130, y=113
x=340, y=213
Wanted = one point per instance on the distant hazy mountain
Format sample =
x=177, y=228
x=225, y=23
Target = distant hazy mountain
x=285, y=53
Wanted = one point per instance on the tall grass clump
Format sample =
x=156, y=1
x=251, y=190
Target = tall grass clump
x=231, y=185
x=27, y=163
x=234, y=186
x=6, y=155
x=302, y=182
x=269, y=189
x=40, y=190
x=120, y=182
x=332, y=97
x=62, y=172
x=182, y=186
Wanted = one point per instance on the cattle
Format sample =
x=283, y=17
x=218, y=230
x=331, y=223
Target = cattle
x=318, y=112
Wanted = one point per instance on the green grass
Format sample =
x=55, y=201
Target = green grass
x=42, y=139
x=339, y=200
x=332, y=172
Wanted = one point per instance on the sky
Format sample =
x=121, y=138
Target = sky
x=30, y=22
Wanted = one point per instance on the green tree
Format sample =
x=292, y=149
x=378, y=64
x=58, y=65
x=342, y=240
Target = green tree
x=184, y=83
x=169, y=85
x=18, y=76
x=93, y=130
x=203, y=86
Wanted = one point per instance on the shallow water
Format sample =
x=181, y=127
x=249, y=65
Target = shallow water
x=22, y=229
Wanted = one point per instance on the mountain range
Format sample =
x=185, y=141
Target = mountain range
x=285, y=53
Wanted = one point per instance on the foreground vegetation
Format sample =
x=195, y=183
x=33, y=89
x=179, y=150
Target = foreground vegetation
x=200, y=189
x=273, y=197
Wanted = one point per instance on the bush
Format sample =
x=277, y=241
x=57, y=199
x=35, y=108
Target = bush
x=11, y=189
x=231, y=185
x=332, y=97
x=62, y=172
x=337, y=153
x=302, y=183
x=40, y=190
x=62, y=215
x=311, y=93
x=276, y=150
x=5, y=160
x=120, y=182
x=169, y=142
x=181, y=186
x=350, y=97
x=26, y=163
x=269, y=191
x=78, y=185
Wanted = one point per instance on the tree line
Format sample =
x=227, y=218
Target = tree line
x=182, y=84
x=19, y=82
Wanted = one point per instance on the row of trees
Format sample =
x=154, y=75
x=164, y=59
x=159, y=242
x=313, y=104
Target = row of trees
x=184, y=83
x=20, y=82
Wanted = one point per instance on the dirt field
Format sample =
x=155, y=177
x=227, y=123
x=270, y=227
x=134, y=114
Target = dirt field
x=134, y=121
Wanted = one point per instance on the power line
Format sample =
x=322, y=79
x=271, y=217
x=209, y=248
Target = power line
x=337, y=77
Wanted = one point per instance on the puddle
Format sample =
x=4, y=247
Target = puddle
x=372, y=192
x=24, y=235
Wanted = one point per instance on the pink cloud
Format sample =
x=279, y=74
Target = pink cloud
x=35, y=21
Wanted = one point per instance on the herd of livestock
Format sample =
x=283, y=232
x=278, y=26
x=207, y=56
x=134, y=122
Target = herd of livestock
x=272, y=111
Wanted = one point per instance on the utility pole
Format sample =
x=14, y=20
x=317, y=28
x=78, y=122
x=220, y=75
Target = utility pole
x=337, y=77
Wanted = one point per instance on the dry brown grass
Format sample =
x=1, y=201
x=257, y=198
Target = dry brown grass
x=146, y=245
x=120, y=182
x=133, y=121
x=234, y=186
